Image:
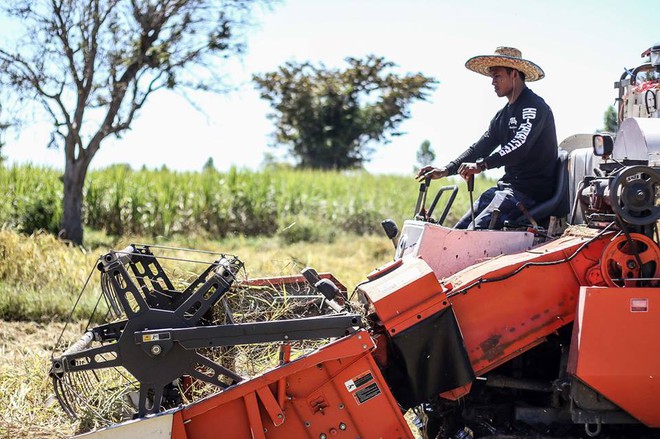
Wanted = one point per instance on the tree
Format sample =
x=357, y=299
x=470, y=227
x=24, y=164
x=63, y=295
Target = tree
x=425, y=154
x=329, y=118
x=611, y=120
x=209, y=165
x=91, y=65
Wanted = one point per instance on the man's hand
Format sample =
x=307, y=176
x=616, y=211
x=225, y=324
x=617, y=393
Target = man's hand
x=468, y=169
x=431, y=172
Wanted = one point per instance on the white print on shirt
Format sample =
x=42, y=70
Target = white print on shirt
x=523, y=131
x=529, y=113
x=513, y=123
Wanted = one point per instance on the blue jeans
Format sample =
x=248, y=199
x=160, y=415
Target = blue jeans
x=502, y=197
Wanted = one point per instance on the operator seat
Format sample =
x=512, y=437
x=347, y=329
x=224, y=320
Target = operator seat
x=559, y=204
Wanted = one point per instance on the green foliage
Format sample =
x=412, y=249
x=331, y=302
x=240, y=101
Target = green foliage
x=610, y=120
x=329, y=118
x=3, y=127
x=296, y=205
x=425, y=154
x=31, y=198
x=209, y=165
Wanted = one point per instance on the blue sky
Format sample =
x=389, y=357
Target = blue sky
x=583, y=46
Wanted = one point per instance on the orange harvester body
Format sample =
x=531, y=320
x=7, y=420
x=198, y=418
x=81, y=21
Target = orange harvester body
x=502, y=307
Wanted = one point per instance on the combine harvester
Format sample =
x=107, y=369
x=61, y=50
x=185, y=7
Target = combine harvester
x=546, y=329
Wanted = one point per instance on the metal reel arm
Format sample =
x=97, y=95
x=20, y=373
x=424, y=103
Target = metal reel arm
x=249, y=333
x=87, y=359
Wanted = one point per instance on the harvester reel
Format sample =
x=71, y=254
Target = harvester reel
x=634, y=195
x=157, y=336
x=619, y=260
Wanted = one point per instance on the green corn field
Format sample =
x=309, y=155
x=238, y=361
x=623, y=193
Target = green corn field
x=295, y=205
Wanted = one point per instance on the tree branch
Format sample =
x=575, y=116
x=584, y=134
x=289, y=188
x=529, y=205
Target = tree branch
x=61, y=30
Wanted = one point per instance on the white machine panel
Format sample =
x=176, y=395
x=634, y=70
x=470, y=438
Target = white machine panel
x=638, y=139
x=155, y=427
x=448, y=251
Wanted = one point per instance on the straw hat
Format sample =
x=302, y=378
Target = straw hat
x=505, y=57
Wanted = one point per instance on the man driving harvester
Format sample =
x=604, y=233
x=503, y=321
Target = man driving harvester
x=525, y=132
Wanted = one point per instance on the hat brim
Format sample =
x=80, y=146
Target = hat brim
x=483, y=63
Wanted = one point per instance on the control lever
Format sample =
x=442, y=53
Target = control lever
x=470, y=188
x=493, y=218
x=527, y=215
x=420, y=207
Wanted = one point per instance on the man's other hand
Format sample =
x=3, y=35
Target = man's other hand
x=468, y=169
x=432, y=173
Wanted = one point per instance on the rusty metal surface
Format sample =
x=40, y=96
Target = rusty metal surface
x=509, y=304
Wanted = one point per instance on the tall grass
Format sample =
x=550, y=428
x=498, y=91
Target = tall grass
x=41, y=277
x=31, y=198
x=296, y=205
x=303, y=205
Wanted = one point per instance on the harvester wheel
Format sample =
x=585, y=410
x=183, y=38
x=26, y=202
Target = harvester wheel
x=619, y=262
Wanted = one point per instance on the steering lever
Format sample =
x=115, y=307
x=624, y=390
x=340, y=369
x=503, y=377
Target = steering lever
x=470, y=188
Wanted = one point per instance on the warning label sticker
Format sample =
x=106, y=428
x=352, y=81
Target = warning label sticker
x=358, y=381
x=155, y=337
x=639, y=305
x=367, y=393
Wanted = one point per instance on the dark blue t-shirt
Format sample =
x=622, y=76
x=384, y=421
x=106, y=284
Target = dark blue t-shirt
x=525, y=132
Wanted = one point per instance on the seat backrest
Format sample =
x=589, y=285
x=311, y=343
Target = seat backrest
x=581, y=164
x=559, y=204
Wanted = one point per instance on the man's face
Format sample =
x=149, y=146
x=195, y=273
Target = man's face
x=502, y=81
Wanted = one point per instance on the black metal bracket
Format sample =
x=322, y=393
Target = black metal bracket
x=250, y=333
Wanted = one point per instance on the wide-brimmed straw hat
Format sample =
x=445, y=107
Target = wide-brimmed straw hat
x=505, y=57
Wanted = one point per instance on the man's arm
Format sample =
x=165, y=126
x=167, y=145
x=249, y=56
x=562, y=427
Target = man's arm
x=481, y=148
x=484, y=146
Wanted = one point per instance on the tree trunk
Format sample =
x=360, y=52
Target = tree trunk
x=74, y=179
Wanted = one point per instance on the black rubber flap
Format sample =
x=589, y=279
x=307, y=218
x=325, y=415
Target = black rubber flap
x=427, y=359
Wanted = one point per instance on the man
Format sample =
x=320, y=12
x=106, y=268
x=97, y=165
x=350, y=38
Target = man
x=525, y=132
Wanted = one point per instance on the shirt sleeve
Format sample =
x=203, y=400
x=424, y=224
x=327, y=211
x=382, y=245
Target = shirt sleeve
x=484, y=146
x=515, y=150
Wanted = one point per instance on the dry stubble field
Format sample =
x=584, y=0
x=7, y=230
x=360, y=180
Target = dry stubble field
x=28, y=408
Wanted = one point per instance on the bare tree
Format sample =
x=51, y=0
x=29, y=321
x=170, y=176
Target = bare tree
x=92, y=64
